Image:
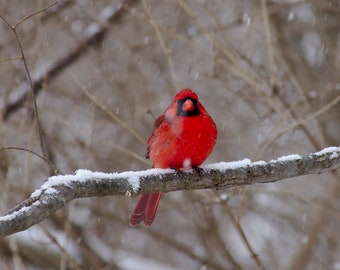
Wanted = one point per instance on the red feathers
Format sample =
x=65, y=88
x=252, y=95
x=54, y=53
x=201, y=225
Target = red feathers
x=183, y=136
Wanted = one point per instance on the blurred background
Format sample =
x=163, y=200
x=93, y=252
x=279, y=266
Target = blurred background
x=268, y=72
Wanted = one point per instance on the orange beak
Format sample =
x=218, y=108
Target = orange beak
x=188, y=105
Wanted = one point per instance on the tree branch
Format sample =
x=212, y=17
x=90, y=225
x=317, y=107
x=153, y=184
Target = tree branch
x=94, y=34
x=59, y=190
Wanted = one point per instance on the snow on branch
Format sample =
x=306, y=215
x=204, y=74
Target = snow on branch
x=59, y=190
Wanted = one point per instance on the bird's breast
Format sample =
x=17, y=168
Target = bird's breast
x=183, y=142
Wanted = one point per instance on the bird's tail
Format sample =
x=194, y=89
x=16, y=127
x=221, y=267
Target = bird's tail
x=145, y=209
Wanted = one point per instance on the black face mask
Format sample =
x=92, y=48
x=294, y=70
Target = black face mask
x=181, y=112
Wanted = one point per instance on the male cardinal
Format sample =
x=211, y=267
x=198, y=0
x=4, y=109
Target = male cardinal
x=183, y=137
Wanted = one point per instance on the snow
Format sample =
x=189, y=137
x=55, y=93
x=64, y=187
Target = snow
x=18, y=212
x=334, y=155
x=108, y=12
x=92, y=29
x=17, y=93
x=133, y=177
x=42, y=70
x=246, y=19
x=224, y=196
x=291, y=16
x=285, y=158
x=313, y=49
x=51, y=191
x=36, y=193
x=327, y=150
x=260, y=163
x=222, y=166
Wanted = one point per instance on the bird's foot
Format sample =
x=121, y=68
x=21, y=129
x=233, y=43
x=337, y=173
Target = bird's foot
x=198, y=170
x=180, y=173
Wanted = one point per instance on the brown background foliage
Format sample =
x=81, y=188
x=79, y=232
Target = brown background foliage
x=267, y=72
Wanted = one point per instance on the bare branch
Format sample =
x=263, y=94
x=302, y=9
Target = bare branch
x=23, y=57
x=55, y=169
x=33, y=14
x=94, y=35
x=59, y=190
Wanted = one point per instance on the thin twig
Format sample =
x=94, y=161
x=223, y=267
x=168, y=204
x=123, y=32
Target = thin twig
x=64, y=60
x=241, y=232
x=166, y=51
x=269, y=42
x=299, y=122
x=33, y=14
x=56, y=170
x=70, y=259
x=23, y=57
x=304, y=251
x=11, y=58
x=114, y=116
x=250, y=75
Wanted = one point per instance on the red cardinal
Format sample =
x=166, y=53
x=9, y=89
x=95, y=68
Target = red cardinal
x=183, y=137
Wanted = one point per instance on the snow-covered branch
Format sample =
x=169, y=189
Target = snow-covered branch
x=59, y=190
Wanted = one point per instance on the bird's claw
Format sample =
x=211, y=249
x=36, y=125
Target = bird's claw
x=198, y=170
x=180, y=173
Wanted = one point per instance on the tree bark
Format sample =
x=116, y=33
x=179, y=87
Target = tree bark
x=59, y=190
